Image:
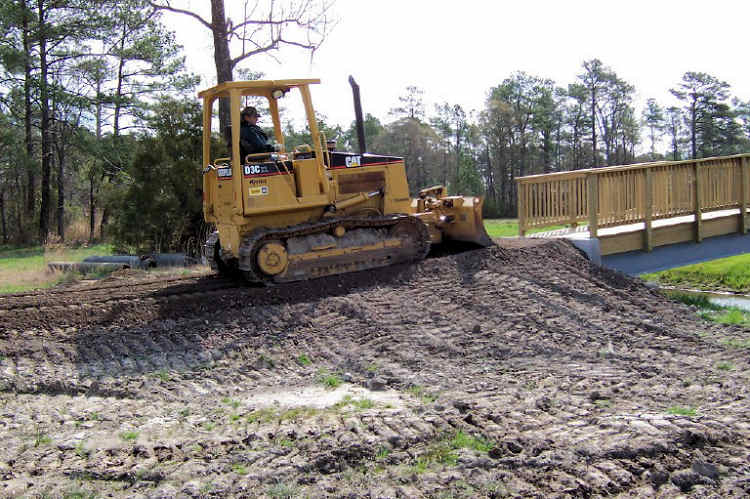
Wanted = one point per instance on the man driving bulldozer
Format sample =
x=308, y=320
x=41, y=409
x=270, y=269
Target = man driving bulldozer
x=253, y=139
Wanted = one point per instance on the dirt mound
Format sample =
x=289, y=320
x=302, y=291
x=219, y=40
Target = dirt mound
x=517, y=370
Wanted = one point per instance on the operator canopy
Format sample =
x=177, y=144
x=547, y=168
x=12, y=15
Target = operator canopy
x=272, y=89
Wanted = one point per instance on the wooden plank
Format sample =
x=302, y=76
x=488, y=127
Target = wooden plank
x=649, y=205
x=592, y=182
x=621, y=243
x=697, y=203
x=522, y=208
x=721, y=226
x=673, y=234
x=573, y=202
x=744, y=165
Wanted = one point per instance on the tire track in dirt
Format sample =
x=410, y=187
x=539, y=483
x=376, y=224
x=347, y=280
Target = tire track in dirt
x=565, y=370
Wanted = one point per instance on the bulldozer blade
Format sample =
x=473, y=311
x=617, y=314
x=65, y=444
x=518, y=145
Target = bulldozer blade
x=468, y=224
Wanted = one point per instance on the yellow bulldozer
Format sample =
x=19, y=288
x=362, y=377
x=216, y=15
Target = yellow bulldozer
x=291, y=215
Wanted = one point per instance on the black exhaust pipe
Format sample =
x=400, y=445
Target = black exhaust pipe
x=358, y=116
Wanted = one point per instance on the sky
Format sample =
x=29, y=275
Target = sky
x=457, y=50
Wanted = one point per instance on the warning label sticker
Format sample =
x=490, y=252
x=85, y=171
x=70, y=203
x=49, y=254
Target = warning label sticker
x=261, y=190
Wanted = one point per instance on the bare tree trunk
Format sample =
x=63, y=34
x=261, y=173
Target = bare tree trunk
x=222, y=58
x=60, y=184
x=593, y=126
x=693, y=113
x=2, y=215
x=92, y=208
x=44, y=101
x=31, y=177
x=118, y=93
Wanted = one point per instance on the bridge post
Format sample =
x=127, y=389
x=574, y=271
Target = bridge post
x=521, y=187
x=697, y=205
x=592, y=202
x=573, y=201
x=649, y=210
x=744, y=165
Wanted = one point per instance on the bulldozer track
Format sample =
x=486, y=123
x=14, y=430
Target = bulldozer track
x=568, y=372
x=251, y=244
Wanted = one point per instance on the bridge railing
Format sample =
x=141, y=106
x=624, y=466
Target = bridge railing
x=640, y=193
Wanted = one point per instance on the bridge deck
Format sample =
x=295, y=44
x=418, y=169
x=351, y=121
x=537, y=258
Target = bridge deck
x=675, y=237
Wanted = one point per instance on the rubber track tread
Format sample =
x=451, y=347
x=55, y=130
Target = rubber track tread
x=253, y=243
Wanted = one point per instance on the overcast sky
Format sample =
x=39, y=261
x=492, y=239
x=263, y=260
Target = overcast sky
x=457, y=50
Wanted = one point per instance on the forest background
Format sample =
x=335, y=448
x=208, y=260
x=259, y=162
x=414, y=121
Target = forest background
x=100, y=127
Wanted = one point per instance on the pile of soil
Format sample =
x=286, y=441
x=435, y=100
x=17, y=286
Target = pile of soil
x=512, y=371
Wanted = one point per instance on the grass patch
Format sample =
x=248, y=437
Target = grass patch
x=711, y=311
x=682, y=411
x=421, y=393
x=700, y=301
x=725, y=366
x=239, y=469
x=328, y=379
x=731, y=274
x=24, y=269
x=443, y=451
x=603, y=403
x=383, y=453
x=359, y=404
x=41, y=439
x=508, y=227
x=265, y=415
x=282, y=490
x=463, y=440
x=235, y=404
x=304, y=360
x=735, y=343
x=731, y=315
x=129, y=436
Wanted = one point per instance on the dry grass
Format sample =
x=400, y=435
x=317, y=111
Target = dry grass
x=23, y=269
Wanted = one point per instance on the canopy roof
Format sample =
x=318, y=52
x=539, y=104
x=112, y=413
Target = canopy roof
x=255, y=87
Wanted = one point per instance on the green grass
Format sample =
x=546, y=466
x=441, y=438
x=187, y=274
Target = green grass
x=328, y=379
x=444, y=450
x=129, y=436
x=736, y=343
x=304, y=360
x=711, y=311
x=463, y=440
x=282, y=489
x=700, y=301
x=239, y=469
x=682, y=411
x=422, y=394
x=23, y=269
x=358, y=404
x=508, y=227
x=730, y=274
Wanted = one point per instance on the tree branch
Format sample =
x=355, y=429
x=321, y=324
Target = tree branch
x=169, y=8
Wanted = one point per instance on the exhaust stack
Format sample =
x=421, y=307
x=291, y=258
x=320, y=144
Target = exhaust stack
x=358, y=116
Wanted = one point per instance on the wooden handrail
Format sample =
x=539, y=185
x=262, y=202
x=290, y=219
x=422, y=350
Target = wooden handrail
x=640, y=193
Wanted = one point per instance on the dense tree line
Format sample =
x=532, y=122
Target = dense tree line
x=100, y=130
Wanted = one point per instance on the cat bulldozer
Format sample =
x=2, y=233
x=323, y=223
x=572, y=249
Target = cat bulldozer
x=313, y=211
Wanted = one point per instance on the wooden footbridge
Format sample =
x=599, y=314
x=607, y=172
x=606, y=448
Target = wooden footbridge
x=639, y=211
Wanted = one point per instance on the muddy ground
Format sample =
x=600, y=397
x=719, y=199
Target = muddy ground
x=514, y=371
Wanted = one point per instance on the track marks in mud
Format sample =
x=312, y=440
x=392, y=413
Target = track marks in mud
x=569, y=371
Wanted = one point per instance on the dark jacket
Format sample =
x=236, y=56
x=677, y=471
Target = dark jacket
x=253, y=140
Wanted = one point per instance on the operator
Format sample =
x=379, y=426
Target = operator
x=253, y=140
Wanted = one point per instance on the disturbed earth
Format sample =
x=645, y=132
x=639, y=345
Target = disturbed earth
x=519, y=370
